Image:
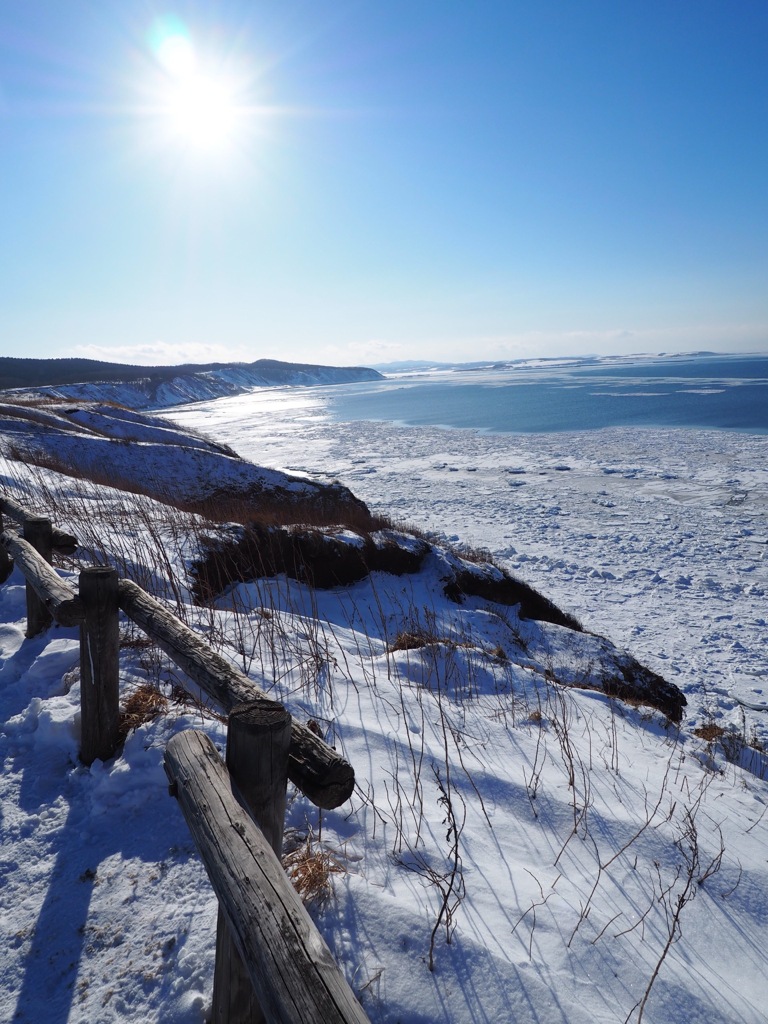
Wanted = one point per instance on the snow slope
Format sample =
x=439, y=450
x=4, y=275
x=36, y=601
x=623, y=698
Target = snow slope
x=550, y=850
x=170, y=389
x=655, y=537
x=141, y=452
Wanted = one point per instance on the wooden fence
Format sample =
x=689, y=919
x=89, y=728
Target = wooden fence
x=271, y=962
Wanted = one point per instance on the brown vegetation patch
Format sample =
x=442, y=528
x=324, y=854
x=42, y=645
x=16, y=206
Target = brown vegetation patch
x=321, y=558
x=709, y=732
x=632, y=683
x=310, y=869
x=313, y=503
x=325, y=505
x=181, y=698
x=412, y=640
x=143, y=705
x=415, y=638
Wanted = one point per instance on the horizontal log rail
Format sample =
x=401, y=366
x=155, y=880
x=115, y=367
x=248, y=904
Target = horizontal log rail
x=314, y=767
x=57, y=596
x=61, y=541
x=322, y=774
x=294, y=975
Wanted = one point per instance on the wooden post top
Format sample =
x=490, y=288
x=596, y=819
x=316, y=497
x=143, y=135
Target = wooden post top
x=261, y=712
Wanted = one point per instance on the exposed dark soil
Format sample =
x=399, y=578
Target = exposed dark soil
x=509, y=591
x=321, y=559
x=310, y=556
x=634, y=683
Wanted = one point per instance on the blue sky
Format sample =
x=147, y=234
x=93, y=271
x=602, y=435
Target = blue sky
x=383, y=180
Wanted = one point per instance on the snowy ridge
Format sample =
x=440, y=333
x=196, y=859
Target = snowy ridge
x=149, y=455
x=179, y=388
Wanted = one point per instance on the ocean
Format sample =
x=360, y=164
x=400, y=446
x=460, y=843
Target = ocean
x=703, y=391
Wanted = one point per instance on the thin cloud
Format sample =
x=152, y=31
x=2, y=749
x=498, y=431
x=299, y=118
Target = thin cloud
x=161, y=353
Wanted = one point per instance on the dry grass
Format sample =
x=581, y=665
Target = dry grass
x=144, y=705
x=310, y=868
x=132, y=638
x=416, y=637
x=508, y=590
x=310, y=555
x=476, y=555
x=181, y=698
x=29, y=399
x=412, y=640
x=709, y=732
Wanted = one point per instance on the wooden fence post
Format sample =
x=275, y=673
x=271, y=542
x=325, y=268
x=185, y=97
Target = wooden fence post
x=99, y=664
x=289, y=963
x=38, y=533
x=6, y=565
x=258, y=738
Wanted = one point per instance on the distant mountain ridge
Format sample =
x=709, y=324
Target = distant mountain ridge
x=144, y=387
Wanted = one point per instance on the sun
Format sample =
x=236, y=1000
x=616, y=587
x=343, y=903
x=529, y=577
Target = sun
x=203, y=111
x=201, y=108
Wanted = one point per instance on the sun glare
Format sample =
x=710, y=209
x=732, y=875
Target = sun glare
x=201, y=108
x=177, y=55
x=203, y=111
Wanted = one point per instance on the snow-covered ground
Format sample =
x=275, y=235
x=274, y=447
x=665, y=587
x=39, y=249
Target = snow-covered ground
x=588, y=861
x=657, y=538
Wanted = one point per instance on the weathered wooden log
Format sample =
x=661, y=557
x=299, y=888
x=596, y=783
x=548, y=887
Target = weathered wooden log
x=258, y=740
x=6, y=562
x=258, y=746
x=37, y=533
x=293, y=972
x=58, y=597
x=60, y=539
x=99, y=664
x=318, y=771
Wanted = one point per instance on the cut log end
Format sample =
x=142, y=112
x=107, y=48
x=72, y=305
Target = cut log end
x=318, y=771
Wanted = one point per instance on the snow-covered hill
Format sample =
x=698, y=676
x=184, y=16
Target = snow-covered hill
x=179, y=385
x=146, y=454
